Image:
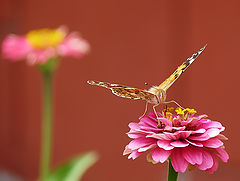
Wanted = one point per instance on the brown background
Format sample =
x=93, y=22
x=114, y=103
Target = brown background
x=132, y=42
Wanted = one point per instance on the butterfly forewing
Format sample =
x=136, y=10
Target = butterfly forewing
x=176, y=74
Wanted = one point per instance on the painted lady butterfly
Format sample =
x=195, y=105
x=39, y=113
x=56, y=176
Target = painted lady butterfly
x=156, y=94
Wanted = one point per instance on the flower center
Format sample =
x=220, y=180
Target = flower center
x=45, y=38
x=183, y=114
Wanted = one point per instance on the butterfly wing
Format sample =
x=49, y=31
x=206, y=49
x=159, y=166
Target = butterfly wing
x=170, y=80
x=126, y=92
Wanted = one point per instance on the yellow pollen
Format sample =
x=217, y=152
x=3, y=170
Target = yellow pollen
x=45, y=38
x=190, y=111
x=180, y=111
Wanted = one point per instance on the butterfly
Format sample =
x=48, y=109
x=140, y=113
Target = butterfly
x=156, y=94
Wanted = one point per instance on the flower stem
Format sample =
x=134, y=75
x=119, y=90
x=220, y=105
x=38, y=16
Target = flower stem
x=46, y=126
x=172, y=174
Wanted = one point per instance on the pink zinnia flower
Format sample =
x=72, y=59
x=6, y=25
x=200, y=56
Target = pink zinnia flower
x=39, y=46
x=186, y=139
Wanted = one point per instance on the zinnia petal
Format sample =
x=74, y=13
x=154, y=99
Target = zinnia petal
x=207, y=161
x=192, y=155
x=212, y=143
x=145, y=148
x=215, y=165
x=179, y=143
x=165, y=144
x=212, y=132
x=160, y=136
x=40, y=56
x=199, y=131
x=212, y=124
x=134, y=155
x=202, y=137
x=135, y=135
x=149, y=121
x=140, y=142
x=73, y=45
x=222, y=154
x=222, y=137
x=195, y=143
x=127, y=151
x=182, y=134
x=160, y=155
x=134, y=126
x=178, y=161
x=15, y=47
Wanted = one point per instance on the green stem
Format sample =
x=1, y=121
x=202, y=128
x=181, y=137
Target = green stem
x=172, y=174
x=46, y=126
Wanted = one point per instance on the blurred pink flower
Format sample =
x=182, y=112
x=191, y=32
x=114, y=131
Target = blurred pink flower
x=39, y=46
x=189, y=140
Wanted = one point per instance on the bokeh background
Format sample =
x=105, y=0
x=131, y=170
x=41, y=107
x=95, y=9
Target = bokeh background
x=132, y=42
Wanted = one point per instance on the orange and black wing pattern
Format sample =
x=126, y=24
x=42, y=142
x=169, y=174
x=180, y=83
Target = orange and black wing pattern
x=125, y=91
x=170, y=80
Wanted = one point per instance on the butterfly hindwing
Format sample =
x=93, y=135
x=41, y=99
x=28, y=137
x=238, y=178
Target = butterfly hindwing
x=126, y=92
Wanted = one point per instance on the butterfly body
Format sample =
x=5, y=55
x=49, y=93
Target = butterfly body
x=156, y=94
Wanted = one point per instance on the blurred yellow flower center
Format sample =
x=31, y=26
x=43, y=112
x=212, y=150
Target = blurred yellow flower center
x=45, y=38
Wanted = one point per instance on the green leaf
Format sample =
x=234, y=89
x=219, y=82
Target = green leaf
x=73, y=169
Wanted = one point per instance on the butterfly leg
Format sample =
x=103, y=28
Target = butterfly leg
x=172, y=101
x=146, y=107
x=159, y=123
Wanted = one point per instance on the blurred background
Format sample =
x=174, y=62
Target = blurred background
x=132, y=42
